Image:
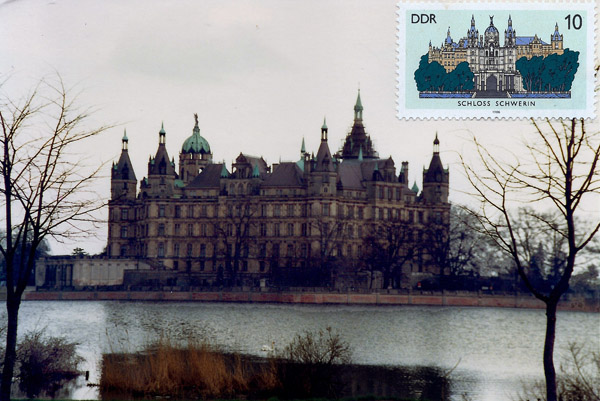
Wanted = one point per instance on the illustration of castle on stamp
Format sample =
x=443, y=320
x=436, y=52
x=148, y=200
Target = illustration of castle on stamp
x=528, y=60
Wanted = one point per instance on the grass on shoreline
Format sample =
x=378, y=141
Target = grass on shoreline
x=193, y=370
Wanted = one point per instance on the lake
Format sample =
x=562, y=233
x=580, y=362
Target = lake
x=494, y=350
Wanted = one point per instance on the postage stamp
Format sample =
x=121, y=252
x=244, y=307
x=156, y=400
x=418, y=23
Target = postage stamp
x=496, y=60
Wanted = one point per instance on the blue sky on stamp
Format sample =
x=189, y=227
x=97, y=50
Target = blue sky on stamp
x=260, y=74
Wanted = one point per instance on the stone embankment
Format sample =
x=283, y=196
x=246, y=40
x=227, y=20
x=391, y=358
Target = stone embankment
x=571, y=303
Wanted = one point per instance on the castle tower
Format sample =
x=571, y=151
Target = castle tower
x=123, y=181
x=472, y=34
x=436, y=179
x=556, y=40
x=194, y=156
x=323, y=175
x=357, y=138
x=161, y=171
x=510, y=35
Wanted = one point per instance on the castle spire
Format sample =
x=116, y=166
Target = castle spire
x=303, y=147
x=125, y=140
x=162, y=134
x=358, y=108
x=436, y=144
x=324, y=131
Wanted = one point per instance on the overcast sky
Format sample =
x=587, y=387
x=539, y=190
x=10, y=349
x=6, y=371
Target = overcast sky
x=260, y=74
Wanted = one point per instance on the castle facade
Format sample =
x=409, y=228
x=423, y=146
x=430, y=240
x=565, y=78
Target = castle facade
x=252, y=221
x=494, y=65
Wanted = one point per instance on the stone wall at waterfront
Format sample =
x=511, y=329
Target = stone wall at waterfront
x=435, y=299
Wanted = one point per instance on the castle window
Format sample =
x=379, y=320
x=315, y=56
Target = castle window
x=161, y=250
x=124, y=232
x=177, y=211
x=124, y=214
x=275, y=252
x=203, y=210
x=290, y=211
x=277, y=210
x=123, y=251
x=304, y=210
x=360, y=231
x=381, y=193
x=290, y=229
x=263, y=229
x=202, y=265
x=397, y=193
x=290, y=250
x=261, y=266
x=361, y=213
x=325, y=209
x=277, y=229
x=202, y=250
x=350, y=212
x=176, y=250
x=189, y=250
x=161, y=230
x=161, y=211
x=229, y=230
x=262, y=251
x=177, y=229
x=203, y=230
x=304, y=250
x=304, y=229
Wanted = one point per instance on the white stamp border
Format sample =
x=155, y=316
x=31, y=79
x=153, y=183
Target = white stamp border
x=589, y=112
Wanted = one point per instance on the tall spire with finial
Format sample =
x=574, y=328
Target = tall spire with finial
x=324, y=130
x=358, y=108
x=125, y=140
x=162, y=134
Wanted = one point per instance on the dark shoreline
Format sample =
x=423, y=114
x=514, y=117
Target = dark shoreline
x=572, y=303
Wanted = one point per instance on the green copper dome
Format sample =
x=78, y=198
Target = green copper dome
x=196, y=143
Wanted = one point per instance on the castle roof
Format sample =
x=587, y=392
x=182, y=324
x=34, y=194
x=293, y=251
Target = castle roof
x=209, y=177
x=526, y=40
x=286, y=174
x=195, y=143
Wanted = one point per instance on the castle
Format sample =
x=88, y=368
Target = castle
x=253, y=221
x=494, y=65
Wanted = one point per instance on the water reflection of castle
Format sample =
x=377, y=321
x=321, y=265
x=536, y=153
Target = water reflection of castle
x=494, y=65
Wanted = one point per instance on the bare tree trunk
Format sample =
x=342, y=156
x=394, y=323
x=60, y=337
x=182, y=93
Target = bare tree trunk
x=549, y=370
x=10, y=356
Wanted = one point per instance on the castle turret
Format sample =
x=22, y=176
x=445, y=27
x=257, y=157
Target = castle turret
x=123, y=181
x=436, y=179
x=121, y=205
x=194, y=156
x=556, y=39
x=161, y=170
x=357, y=138
x=322, y=177
x=510, y=35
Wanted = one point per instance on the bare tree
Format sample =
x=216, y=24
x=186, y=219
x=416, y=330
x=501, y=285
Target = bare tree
x=558, y=173
x=45, y=191
x=390, y=244
x=331, y=232
x=237, y=234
